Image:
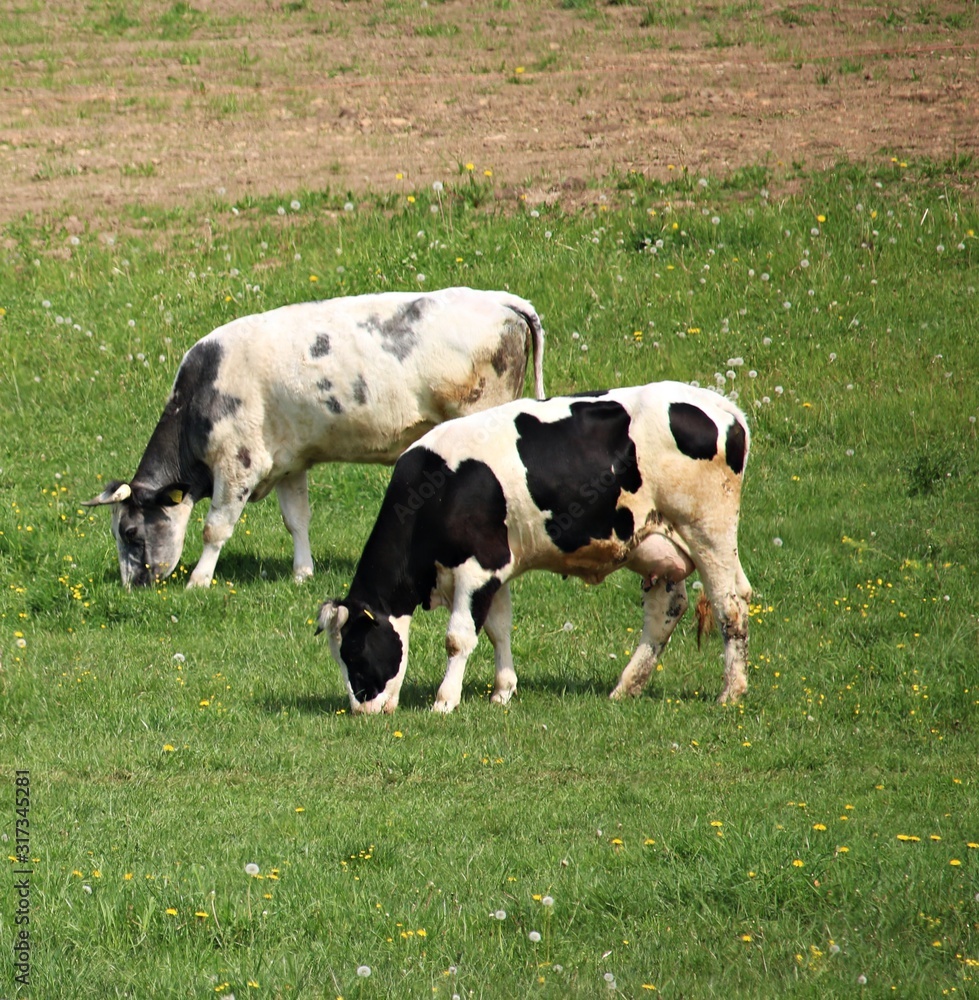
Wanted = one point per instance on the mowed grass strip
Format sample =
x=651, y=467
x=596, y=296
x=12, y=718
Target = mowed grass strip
x=819, y=838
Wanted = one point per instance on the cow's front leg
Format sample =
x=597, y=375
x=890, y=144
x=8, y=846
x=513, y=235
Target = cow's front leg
x=663, y=604
x=460, y=641
x=499, y=623
x=293, y=493
x=226, y=507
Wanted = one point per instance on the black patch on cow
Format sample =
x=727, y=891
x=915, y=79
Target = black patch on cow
x=479, y=603
x=320, y=346
x=590, y=394
x=577, y=468
x=334, y=406
x=736, y=447
x=369, y=646
x=324, y=385
x=245, y=457
x=178, y=444
x=397, y=332
x=694, y=432
x=430, y=515
x=359, y=390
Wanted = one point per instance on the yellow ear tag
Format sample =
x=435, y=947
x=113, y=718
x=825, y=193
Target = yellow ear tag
x=177, y=496
x=369, y=615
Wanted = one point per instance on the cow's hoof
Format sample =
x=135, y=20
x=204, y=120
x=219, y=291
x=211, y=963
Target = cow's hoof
x=620, y=692
x=502, y=697
x=443, y=707
x=731, y=695
x=302, y=574
x=198, y=583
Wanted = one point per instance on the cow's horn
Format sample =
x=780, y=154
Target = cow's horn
x=113, y=493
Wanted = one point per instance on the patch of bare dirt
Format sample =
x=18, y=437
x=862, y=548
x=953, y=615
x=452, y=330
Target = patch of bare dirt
x=179, y=103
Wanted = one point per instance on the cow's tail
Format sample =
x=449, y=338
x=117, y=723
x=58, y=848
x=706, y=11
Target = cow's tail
x=705, y=618
x=530, y=317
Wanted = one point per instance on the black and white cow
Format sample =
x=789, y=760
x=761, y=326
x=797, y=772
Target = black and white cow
x=647, y=478
x=258, y=401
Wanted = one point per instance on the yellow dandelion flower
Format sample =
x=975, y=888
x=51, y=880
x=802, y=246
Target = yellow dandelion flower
x=820, y=218
x=819, y=826
x=487, y=173
x=200, y=914
x=398, y=734
x=798, y=863
x=955, y=862
x=168, y=748
x=171, y=912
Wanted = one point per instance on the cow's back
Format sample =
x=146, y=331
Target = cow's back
x=362, y=377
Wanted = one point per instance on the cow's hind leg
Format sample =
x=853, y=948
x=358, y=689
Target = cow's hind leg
x=663, y=605
x=498, y=624
x=293, y=493
x=729, y=593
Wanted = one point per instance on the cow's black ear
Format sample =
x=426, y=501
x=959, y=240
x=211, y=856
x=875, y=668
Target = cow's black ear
x=171, y=495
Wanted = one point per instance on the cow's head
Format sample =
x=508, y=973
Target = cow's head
x=149, y=527
x=372, y=650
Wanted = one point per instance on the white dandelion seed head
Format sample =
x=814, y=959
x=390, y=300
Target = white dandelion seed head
x=21, y=644
x=363, y=971
x=567, y=627
x=534, y=936
x=178, y=657
x=251, y=869
x=777, y=542
x=87, y=888
x=767, y=341
x=280, y=210
x=861, y=980
x=295, y=205
x=547, y=901
x=500, y=915
x=437, y=186
x=420, y=278
x=348, y=206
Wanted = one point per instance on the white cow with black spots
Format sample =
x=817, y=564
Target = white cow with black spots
x=645, y=478
x=258, y=401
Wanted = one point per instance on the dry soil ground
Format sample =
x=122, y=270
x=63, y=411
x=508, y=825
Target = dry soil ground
x=103, y=105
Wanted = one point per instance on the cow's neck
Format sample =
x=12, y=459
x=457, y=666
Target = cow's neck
x=385, y=578
x=170, y=457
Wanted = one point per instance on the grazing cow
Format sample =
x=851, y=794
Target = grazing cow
x=647, y=478
x=258, y=401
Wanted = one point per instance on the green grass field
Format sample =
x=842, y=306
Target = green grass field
x=820, y=839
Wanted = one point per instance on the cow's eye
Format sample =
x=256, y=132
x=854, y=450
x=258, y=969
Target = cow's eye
x=131, y=534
